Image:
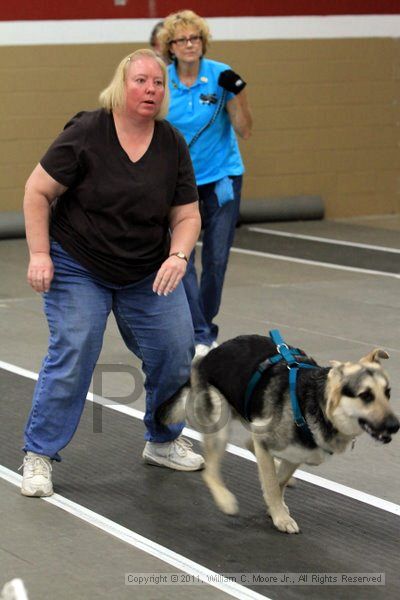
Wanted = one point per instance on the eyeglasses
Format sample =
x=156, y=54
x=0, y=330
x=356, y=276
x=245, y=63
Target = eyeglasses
x=183, y=41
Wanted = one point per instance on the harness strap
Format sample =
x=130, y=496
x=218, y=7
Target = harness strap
x=269, y=362
x=255, y=378
x=289, y=356
x=297, y=414
x=283, y=349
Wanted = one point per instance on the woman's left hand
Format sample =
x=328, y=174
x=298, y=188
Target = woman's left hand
x=169, y=275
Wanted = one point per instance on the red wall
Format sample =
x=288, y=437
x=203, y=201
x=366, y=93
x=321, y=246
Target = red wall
x=16, y=10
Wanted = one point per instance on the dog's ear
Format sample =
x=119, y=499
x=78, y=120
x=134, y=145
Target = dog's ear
x=375, y=355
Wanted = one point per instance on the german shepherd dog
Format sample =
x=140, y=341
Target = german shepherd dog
x=338, y=403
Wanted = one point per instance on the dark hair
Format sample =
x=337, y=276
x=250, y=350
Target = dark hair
x=154, y=33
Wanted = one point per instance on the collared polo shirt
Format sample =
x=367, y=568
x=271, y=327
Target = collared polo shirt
x=215, y=154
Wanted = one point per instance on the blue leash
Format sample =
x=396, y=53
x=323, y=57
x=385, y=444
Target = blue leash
x=289, y=356
x=220, y=106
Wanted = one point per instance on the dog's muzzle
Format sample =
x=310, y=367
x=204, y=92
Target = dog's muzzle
x=383, y=431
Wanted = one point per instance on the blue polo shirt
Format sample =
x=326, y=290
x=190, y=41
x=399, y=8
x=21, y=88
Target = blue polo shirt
x=215, y=154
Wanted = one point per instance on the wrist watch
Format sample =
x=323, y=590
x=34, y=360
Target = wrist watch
x=180, y=254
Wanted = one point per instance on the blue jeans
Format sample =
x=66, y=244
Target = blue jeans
x=219, y=224
x=158, y=329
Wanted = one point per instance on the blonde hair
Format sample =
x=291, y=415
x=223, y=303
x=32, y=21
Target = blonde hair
x=112, y=98
x=183, y=18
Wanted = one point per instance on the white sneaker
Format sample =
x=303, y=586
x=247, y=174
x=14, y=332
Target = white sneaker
x=14, y=590
x=214, y=345
x=36, y=479
x=177, y=455
x=201, y=350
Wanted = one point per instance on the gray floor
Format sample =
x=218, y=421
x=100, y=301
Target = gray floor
x=333, y=314
x=59, y=557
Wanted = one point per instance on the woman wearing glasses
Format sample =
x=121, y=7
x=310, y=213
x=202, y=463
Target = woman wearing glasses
x=208, y=106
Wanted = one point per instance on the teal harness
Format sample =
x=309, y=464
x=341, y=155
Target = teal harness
x=290, y=357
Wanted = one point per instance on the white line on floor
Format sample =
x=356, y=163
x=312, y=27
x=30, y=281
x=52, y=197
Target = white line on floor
x=314, y=263
x=236, y=450
x=314, y=238
x=142, y=543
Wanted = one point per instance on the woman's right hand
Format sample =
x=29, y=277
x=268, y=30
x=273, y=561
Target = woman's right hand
x=40, y=271
x=40, y=191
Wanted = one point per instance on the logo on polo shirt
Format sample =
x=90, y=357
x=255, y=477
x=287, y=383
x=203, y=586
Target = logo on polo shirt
x=208, y=98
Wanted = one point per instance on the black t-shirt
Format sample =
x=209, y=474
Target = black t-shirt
x=113, y=218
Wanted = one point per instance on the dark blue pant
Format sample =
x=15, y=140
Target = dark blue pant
x=219, y=224
x=158, y=329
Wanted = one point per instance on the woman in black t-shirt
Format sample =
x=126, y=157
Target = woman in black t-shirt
x=111, y=215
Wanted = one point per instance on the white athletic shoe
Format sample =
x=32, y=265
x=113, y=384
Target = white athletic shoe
x=36, y=480
x=177, y=454
x=214, y=345
x=14, y=590
x=201, y=350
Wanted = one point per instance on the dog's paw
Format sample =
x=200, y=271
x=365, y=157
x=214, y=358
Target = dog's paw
x=227, y=502
x=286, y=524
x=285, y=506
x=223, y=498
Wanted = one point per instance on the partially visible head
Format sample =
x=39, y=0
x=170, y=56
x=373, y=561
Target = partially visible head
x=113, y=97
x=178, y=22
x=154, y=41
x=358, y=398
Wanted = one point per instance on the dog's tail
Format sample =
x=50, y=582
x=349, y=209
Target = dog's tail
x=197, y=378
x=175, y=409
